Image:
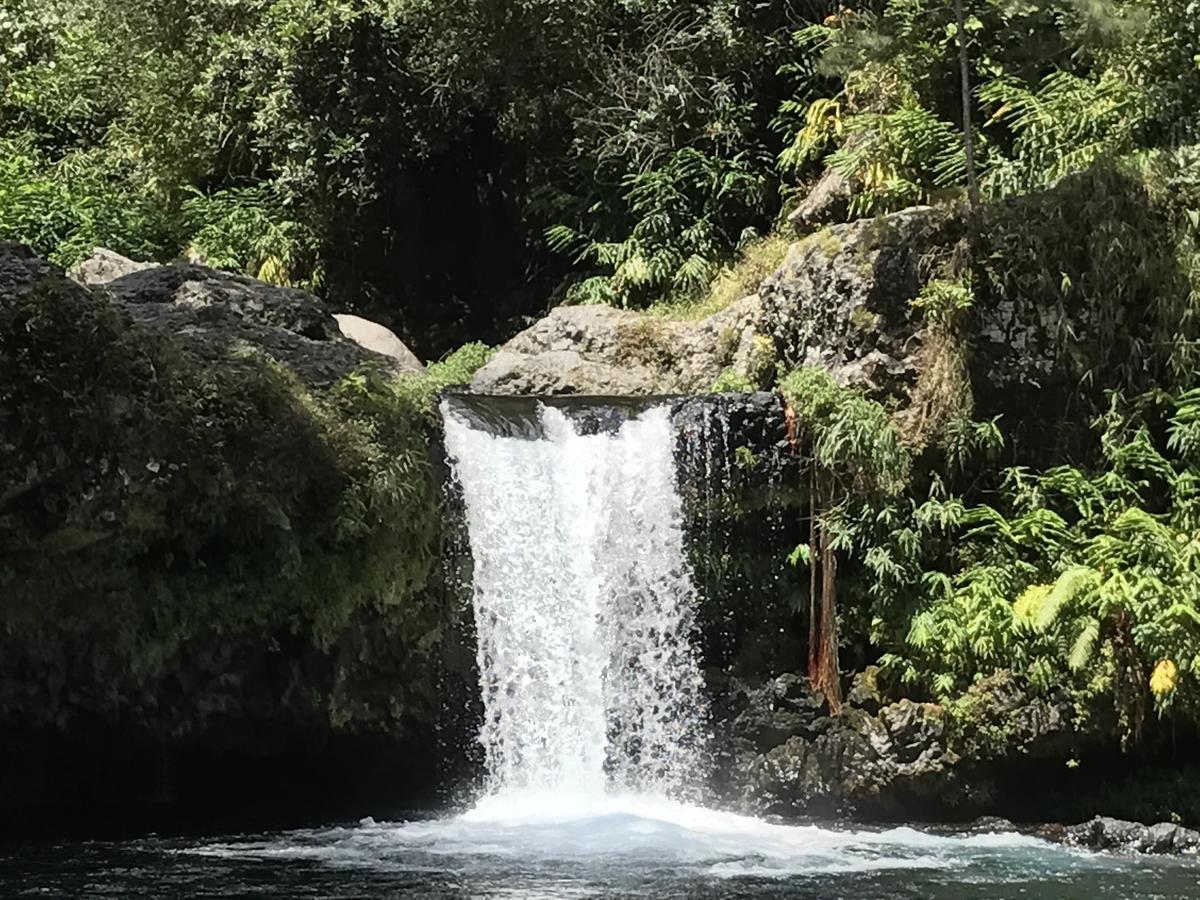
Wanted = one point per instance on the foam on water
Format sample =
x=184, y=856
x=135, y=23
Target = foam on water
x=650, y=835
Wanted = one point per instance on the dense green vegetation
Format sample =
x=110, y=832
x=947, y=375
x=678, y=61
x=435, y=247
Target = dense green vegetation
x=1054, y=536
x=405, y=157
x=447, y=167
x=1078, y=578
x=453, y=166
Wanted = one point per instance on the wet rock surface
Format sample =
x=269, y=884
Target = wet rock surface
x=792, y=757
x=879, y=759
x=1104, y=833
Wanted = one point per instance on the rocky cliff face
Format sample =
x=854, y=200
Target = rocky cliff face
x=1002, y=749
x=215, y=548
x=842, y=299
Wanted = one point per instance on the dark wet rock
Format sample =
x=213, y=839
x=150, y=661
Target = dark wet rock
x=796, y=758
x=899, y=759
x=1104, y=833
x=1001, y=716
x=22, y=270
x=781, y=709
x=991, y=825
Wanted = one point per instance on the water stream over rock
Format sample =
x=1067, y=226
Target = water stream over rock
x=584, y=609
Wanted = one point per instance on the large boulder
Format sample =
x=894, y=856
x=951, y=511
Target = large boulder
x=104, y=266
x=603, y=350
x=377, y=339
x=214, y=313
x=194, y=288
x=212, y=570
x=842, y=299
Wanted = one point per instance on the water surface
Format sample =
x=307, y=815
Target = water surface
x=619, y=847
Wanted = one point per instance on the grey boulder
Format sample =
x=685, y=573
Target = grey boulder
x=104, y=266
x=604, y=350
x=378, y=339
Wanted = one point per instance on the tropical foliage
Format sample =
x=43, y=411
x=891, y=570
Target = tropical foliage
x=452, y=166
x=1081, y=578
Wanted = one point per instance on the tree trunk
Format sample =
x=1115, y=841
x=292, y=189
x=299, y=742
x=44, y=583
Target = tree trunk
x=964, y=71
x=814, y=557
x=823, y=667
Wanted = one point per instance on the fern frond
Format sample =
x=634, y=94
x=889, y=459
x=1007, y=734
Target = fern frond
x=1069, y=585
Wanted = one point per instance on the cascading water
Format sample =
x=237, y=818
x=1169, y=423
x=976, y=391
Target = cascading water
x=584, y=609
x=594, y=721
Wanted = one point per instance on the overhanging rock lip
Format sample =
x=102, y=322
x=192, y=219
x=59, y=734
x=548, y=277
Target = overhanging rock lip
x=517, y=415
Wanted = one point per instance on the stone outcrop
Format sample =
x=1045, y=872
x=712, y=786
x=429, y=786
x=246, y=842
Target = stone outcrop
x=843, y=300
x=104, y=266
x=792, y=757
x=875, y=759
x=378, y=339
x=208, y=567
x=843, y=297
x=215, y=314
x=213, y=311
x=602, y=350
x=828, y=202
x=1104, y=833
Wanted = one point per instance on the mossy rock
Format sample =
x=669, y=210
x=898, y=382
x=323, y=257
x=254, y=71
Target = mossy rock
x=177, y=522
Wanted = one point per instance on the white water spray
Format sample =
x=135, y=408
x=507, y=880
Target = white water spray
x=584, y=612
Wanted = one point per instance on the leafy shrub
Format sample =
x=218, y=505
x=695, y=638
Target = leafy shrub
x=688, y=218
x=1086, y=579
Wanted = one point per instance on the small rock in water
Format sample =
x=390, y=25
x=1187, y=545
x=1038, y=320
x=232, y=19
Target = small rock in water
x=991, y=825
x=1104, y=833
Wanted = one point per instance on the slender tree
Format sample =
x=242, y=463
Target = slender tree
x=964, y=74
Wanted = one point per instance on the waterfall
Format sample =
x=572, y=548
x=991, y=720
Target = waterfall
x=594, y=720
x=584, y=608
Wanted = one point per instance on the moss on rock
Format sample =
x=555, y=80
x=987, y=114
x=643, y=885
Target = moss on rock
x=168, y=521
